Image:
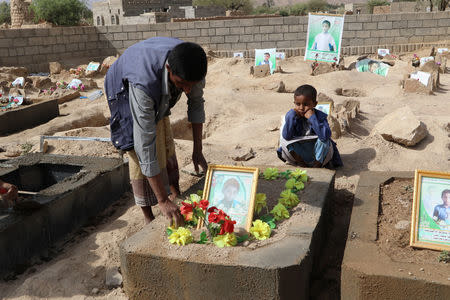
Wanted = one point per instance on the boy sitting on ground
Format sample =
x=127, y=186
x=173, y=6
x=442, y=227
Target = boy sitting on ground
x=306, y=136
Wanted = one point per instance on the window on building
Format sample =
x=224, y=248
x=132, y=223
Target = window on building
x=358, y=11
x=117, y=20
x=103, y=21
x=98, y=21
x=113, y=20
x=118, y=11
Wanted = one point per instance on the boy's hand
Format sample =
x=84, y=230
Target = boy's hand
x=309, y=113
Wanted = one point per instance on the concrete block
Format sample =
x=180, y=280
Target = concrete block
x=268, y=44
x=363, y=34
x=355, y=26
x=89, y=30
x=129, y=43
x=357, y=41
x=160, y=26
x=424, y=15
x=400, y=24
x=369, y=26
x=239, y=46
x=193, y=32
x=201, y=24
x=296, y=28
x=32, y=50
x=33, y=41
x=181, y=33
x=246, y=22
x=117, y=44
x=166, y=33
x=122, y=36
x=222, y=31
x=231, y=39
x=283, y=44
x=371, y=41
x=246, y=38
x=223, y=47
x=216, y=23
x=82, y=46
x=237, y=30
x=407, y=32
x=415, y=23
x=217, y=39
x=298, y=43
x=93, y=37
x=363, y=18
x=276, y=21
x=393, y=33
x=293, y=20
x=351, y=18
x=261, y=21
x=148, y=34
x=378, y=18
x=384, y=25
x=430, y=23
x=45, y=49
x=266, y=29
x=129, y=28
x=415, y=39
x=41, y=32
x=394, y=17
x=231, y=23
x=386, y=40
x=377, y=33
x=290, y=36
x=173, y=26
x=423, y=31
x=203, y=40
x=134, y=35
x=254, y=45
x=444, y=22
x=431, y=38
x=31, y=32
x=115, y=28
x=275, y=36
x=20, y=42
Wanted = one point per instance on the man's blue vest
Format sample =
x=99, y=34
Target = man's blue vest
x=142, y=66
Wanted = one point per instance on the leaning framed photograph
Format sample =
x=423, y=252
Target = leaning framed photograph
x=430, y=222
x=325, y=107
x=233, y=190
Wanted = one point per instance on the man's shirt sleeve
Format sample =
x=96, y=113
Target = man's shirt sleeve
x=196, y=103
x=144, y=131
x=321, y=128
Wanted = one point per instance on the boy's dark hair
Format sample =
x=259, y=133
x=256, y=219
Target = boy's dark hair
x=328, y=22
x=444, y=192
x=188, y=61
x=306, y=90
x=267, y=53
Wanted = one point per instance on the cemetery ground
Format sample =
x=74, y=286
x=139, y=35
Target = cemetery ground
x=243, y=113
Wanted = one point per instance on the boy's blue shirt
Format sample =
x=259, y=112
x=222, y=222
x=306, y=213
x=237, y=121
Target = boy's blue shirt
x=293, y=126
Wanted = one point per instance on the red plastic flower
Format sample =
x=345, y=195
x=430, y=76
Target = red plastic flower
x=221, y=215
x=212, y=209
x=187, y=210
x=213, y=218
x=227, y=226
x=203, y=204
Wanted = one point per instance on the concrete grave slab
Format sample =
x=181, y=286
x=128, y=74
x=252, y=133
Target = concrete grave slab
x=368, y=273
x=277, y=270
x=69, y=190
x=28, y=116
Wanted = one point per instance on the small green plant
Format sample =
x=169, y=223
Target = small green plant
x=444, y=257
x=271, y=173
x=26, y=148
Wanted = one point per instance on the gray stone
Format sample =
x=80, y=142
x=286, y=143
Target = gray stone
x=402, y=225
x=402, y=126
x=55, y=67
x=113, y=278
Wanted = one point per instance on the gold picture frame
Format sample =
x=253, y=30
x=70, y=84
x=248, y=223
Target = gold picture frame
x=330, y=108
x=228, y=177
x=430, y=224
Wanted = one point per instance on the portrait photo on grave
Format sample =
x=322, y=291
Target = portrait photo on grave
x=323, y=41
x=430, y=223
x=233, y=190
x=325, y=107
x=266, y=57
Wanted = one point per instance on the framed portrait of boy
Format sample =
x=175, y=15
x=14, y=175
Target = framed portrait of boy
x=325, y=107
x=430, y=223
x=233, y=190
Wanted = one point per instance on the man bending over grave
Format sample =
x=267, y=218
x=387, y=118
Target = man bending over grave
x=305, y=135
x=141, y=87
x=8, y=194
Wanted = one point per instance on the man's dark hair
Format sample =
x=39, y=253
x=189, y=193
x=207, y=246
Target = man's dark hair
x=328, y=22
x=306, y=90
x=267, y=53
x=188, y=61
x=444, y=192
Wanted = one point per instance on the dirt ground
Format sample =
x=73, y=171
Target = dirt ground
x=242, y=112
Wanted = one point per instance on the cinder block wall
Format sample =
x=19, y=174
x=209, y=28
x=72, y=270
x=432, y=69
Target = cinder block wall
x=34, y=48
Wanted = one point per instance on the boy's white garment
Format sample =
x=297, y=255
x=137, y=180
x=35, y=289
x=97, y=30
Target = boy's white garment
x=323, y=41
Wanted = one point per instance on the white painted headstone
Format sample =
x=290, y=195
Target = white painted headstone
x=383, y=52
x=423, y=77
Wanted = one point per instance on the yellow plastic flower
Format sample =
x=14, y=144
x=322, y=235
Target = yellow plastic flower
x=260, y=230
x=280, y=212
x=260, y=202
x=288, y=198
x=225, y=240
x=181, y=236
x=300, y=175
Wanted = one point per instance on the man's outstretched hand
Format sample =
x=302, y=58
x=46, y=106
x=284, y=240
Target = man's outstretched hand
x=199, y=160
x=171, y=211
